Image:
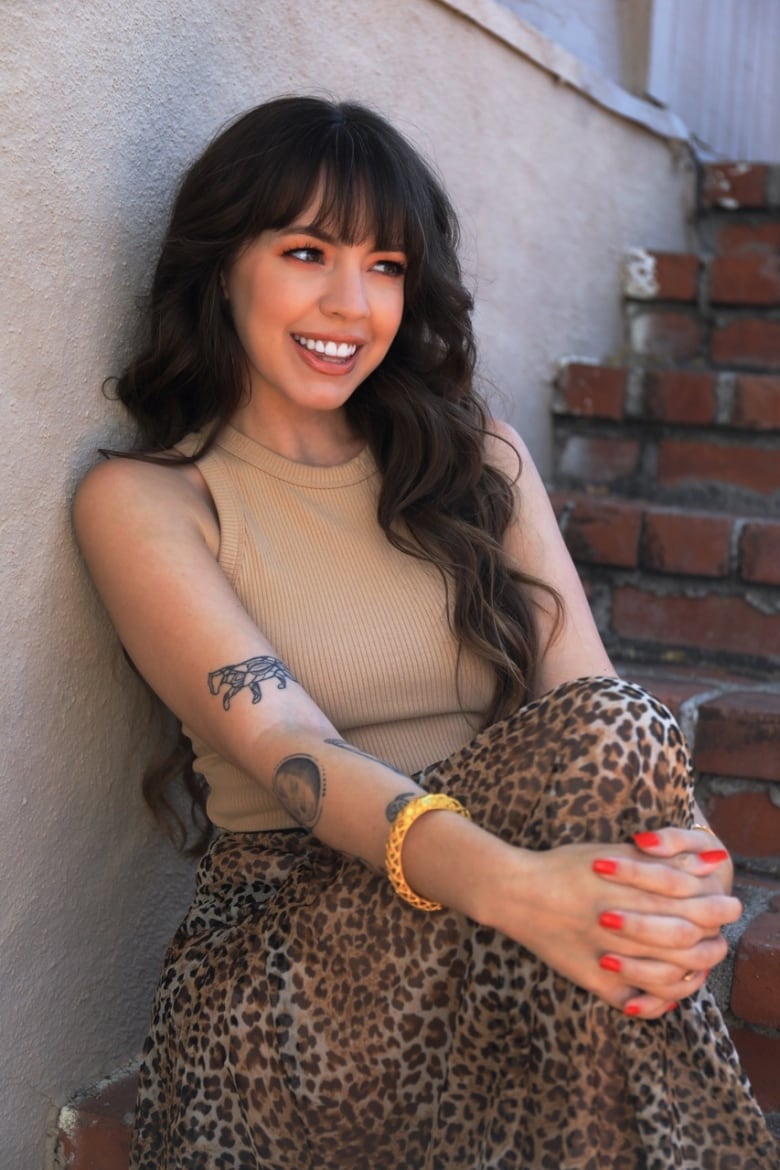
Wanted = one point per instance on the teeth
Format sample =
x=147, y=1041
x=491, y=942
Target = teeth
x=327, y=348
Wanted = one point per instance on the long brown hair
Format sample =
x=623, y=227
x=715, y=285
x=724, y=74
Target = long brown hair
x=419, y=411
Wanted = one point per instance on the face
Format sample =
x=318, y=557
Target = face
x=314, y=315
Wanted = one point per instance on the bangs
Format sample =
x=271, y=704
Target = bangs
x=359, y=188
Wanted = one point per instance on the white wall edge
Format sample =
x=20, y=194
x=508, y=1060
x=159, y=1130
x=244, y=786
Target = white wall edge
x=567, y=68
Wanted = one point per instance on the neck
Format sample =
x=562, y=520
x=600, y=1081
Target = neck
x=320, y=440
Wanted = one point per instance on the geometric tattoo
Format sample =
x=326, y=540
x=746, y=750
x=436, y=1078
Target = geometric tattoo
x=350, y=747
x=249, y=674
x=299, y=785
x=397, y=803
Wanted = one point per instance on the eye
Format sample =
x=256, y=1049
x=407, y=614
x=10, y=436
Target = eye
x=307, y=253
x=390, y=267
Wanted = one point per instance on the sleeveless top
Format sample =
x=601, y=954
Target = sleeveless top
x=362, y=626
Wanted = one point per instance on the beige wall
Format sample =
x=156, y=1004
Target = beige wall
x=103, y=101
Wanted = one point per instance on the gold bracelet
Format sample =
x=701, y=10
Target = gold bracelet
x=706, y=829
x=401, y=826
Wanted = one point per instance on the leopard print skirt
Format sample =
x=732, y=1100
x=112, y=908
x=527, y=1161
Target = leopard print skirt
x=307, y=1019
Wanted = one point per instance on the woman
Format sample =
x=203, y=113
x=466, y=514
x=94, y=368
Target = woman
x=337, y=571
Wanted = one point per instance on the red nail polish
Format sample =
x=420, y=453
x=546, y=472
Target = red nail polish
x=631, y=1009
x=672, y=1007
x=714, y=855
x=646, y=840
x=610, y=963
x=604, y=865
x=611, y=920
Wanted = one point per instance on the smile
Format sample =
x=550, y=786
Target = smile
x=341, y=350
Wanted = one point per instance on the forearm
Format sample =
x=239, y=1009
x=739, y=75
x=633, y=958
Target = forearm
x=351, y=801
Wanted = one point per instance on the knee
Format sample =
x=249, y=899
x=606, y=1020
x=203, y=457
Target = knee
x=632, y=747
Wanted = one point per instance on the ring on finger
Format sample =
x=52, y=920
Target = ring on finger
x=706, y=829
x=688, y=976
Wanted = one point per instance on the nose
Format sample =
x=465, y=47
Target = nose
x=345, y=292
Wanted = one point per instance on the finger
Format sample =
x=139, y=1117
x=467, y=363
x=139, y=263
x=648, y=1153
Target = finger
x=664, y=980
x=671, y=841
x=656, y=877
x=704, y=920
x=648, y=1007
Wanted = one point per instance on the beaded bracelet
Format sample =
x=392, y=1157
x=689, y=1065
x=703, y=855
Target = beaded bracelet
x=401, y=825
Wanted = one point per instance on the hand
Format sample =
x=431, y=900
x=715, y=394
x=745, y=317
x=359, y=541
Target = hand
x=662, y=921
x=684, y=965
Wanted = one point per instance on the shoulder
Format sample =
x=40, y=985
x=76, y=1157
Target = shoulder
x=133, y=498
x=506, y=450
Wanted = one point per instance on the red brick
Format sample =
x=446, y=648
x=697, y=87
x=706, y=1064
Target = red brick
x=666, y=336
x=757, y=402
x=599, y=460
x=679, y=396
x=747, y=237
x=709, y=623
x=755, y=992
x=738, y=734
x=759, y=1054
x=747, y=822
x=94, y=1133
x=682, y=461
x=604, y=532
x=745, y=280
x=748, y=342
x=734, y=184
x=592, y=391
x=686, y=542
x=759, y=551
x=676, y=275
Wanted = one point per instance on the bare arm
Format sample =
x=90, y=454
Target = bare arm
x=150, y=539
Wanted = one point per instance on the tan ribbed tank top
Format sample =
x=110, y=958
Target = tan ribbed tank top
x=362, y=626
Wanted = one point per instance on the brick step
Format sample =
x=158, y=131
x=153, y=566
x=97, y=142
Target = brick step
x=667, y=335
x=748, y=990
x=736, y=186
x=702, y=469
x=701, y=624
x=628, y=533
x=742, y=234
x=732, y=724
x=93, y=1131
x=725, y=400
x=747, y=279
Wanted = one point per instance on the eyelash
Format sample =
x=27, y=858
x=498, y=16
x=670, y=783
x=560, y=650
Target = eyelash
x=310, y=255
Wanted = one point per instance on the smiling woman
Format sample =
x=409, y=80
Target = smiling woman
x=456, y=907
x=315, y=316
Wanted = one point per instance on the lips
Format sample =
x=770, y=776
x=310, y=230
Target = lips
x=328, y=355
x=329, y=348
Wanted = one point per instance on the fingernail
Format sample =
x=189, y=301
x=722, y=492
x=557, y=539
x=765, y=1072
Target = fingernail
x=611, y=920
x=632, y=1009
x=610, y=963
x=603, y=865
x=714, y=855
x=646, y=840
x=672, y=1007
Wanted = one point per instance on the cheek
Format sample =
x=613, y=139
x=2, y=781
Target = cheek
x=394, y=311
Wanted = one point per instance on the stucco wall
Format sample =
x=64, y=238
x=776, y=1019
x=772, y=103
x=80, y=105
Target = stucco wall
x=102, y=102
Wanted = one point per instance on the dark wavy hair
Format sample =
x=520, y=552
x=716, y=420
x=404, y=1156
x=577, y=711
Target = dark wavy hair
x=419, y=411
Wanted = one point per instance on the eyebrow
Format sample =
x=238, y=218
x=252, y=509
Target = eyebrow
x=310, y=229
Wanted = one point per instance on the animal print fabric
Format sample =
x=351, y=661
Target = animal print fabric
x=307, y=1019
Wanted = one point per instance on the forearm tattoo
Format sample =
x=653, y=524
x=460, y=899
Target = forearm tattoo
x=397, y=803
x=350, y=747
x=299, y=785
x=249, y=674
